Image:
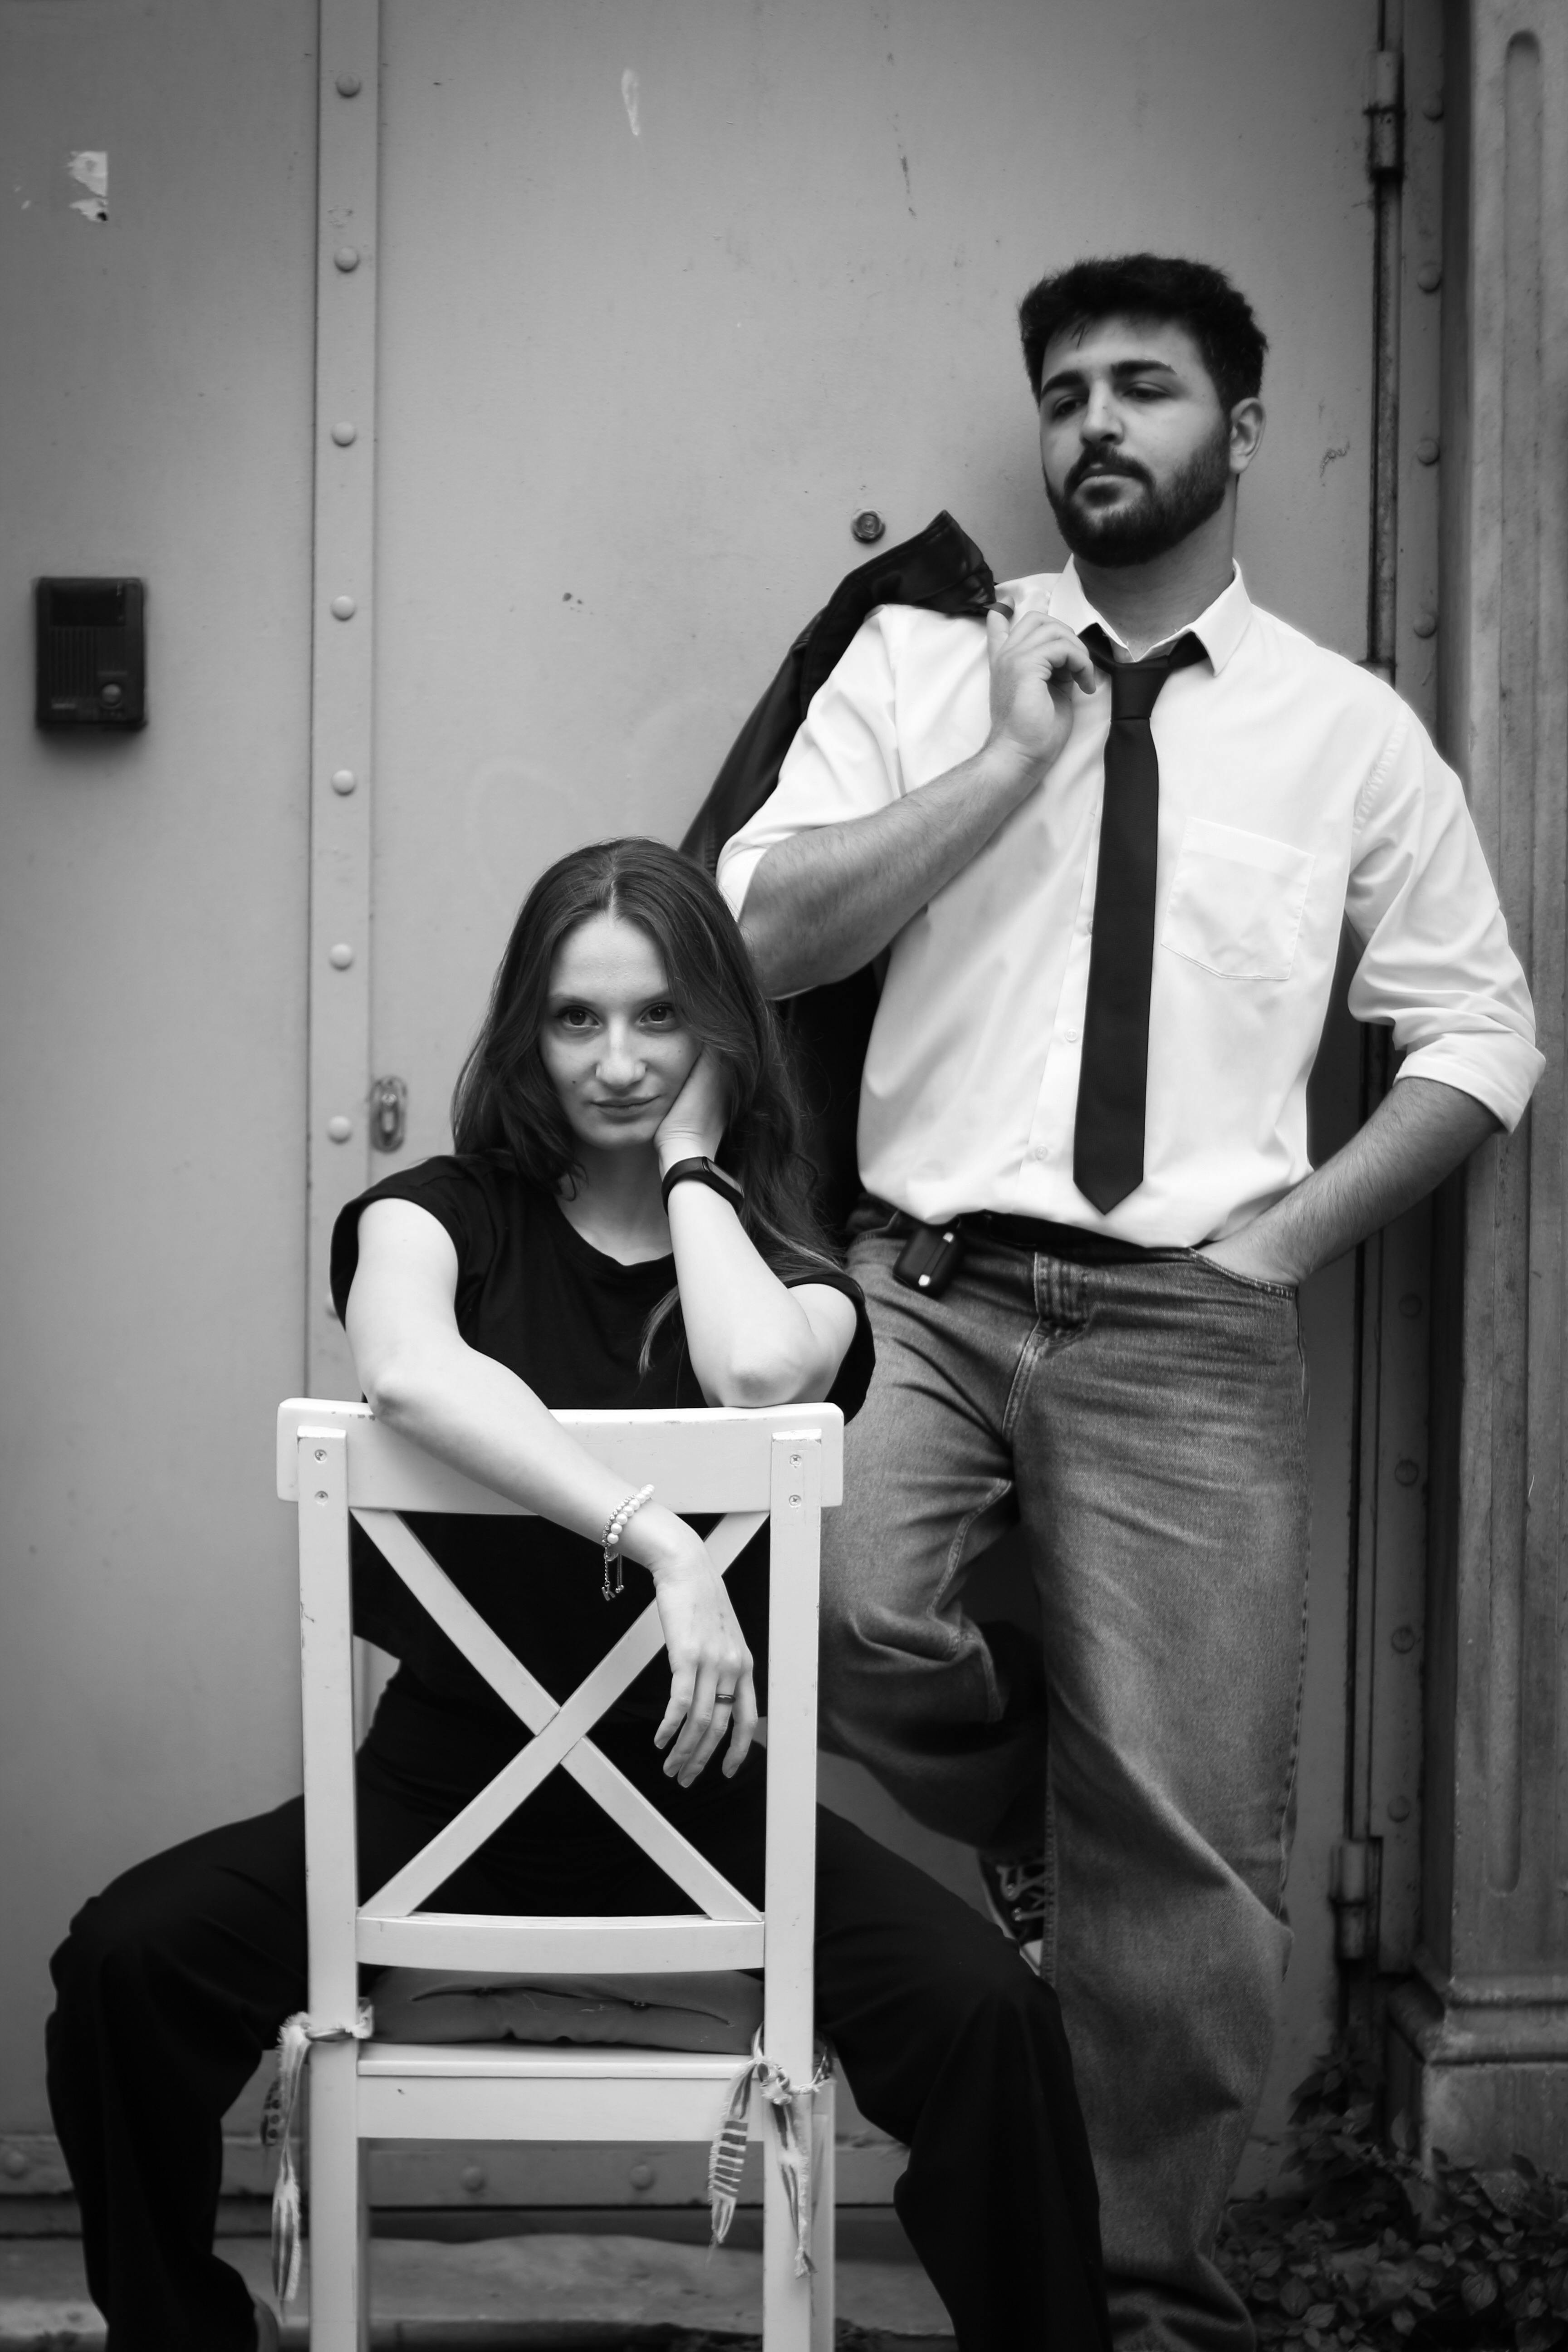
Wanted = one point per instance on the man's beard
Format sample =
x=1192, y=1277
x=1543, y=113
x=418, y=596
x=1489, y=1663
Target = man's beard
x=1153, y=524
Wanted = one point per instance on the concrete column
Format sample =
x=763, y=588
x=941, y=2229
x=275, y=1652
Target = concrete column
x=1480, y=2043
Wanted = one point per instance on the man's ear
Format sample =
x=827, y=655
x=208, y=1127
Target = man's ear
x=1246, y=434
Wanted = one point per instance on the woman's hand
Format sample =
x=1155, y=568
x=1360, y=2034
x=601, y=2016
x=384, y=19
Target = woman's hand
x=693, y=1126
x=711, y=1692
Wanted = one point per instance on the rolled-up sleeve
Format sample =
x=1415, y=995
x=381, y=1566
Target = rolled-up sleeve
x=1437, y=965
x=844, y=762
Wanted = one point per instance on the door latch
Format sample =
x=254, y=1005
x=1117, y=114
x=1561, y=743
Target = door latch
x=388, y=1113
x=1385, y=116
x=1356, y=1874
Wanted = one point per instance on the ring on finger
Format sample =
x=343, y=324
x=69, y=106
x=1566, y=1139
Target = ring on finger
x=724, y=1698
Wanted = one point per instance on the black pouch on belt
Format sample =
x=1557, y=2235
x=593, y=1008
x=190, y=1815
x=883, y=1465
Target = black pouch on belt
x=930, y=1257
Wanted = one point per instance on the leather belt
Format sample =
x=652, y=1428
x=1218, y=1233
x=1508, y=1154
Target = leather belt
x=1044, y=1235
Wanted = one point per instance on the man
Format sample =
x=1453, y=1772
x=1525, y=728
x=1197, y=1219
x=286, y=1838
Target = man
x=1109, y=846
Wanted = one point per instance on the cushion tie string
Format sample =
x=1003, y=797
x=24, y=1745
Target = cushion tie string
x=789, y=2106
x=294, y=2039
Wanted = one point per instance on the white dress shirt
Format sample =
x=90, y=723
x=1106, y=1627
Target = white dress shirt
x=1295, y=791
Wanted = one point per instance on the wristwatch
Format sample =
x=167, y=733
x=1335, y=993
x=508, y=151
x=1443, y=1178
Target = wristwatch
x=703, y=1172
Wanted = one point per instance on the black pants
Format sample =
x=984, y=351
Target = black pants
x=174, y=1982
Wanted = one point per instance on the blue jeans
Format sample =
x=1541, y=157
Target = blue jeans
x=1146, y=1423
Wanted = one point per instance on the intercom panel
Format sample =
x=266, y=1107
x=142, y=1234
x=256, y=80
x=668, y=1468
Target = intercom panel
x=93, y=653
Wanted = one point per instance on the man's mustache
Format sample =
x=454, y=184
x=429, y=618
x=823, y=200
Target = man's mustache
x=1089, y=463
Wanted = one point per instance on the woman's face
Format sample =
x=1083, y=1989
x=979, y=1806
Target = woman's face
x=612, y=1041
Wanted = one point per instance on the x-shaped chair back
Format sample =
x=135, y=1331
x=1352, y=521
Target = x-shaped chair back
x=783, y=1463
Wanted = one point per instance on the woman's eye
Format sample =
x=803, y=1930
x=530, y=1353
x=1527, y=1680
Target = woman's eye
x=575, y=1016
x=661, y=1016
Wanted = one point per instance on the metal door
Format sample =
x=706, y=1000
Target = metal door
x=665, y=296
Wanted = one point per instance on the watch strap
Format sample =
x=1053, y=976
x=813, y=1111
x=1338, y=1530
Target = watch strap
x=703, y=1171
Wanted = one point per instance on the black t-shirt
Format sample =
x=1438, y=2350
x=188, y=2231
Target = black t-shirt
x=569, y=1321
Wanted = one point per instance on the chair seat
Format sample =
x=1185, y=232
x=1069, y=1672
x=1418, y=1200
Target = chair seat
x=546, y=2061
x=504, y=2090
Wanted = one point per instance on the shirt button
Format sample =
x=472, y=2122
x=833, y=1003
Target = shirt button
x=1070, y=1036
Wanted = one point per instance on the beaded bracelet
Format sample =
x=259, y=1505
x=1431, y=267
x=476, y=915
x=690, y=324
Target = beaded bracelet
x=614, y=1527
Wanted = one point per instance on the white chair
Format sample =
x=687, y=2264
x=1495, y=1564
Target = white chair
x=336, y=1462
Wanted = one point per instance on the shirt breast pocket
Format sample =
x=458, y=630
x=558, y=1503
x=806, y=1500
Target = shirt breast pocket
x=1237, y=901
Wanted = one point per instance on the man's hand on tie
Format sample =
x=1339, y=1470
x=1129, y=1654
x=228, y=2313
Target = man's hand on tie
x=1036, y=663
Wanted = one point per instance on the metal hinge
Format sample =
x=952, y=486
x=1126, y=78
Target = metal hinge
x=388, y=1113
x=1384, y=117
x=1355, y=1878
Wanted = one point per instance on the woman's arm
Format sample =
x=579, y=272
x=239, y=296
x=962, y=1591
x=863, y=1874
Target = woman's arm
x=751, y=1340
x=423, y=1379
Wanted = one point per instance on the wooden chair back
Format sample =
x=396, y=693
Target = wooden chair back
x=782, y=1465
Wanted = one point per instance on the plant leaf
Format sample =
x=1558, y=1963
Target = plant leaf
x=1478, y=2290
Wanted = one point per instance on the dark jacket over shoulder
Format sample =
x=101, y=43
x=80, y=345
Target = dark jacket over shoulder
x=943, y=571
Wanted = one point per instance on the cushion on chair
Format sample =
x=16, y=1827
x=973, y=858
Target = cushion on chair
x=720, y=2010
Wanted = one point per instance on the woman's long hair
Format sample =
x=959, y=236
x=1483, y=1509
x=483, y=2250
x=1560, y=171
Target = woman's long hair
x=505, y=1100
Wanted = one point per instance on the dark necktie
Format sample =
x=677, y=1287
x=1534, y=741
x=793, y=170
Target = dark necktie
x=1113, y=1077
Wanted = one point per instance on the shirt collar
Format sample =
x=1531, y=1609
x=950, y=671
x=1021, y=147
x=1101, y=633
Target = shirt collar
x=1219, y=629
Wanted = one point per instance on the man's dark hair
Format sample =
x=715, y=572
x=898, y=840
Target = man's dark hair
x=1190, y=294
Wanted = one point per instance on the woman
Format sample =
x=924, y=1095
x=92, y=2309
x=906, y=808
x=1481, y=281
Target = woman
x=625, y=1221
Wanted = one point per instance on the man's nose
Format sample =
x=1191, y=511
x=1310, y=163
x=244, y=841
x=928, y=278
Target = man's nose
x=1100, y=420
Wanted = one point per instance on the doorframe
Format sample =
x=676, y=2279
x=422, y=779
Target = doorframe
x=342, y=585
x=1377, y=1869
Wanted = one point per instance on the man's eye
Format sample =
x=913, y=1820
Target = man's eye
x=1065, y=405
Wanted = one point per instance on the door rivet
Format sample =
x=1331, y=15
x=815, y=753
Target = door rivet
x=1424, y=625
x=472, y=2176
x=345, y=434
x=1406, y=1473
x=867, y=526
x=1433, y=107
x=1403, y=1639
x=641, y=2176
x=1399, y=1809
x=340, y=1128
x=348, y=84
x=341, y=957
x=1429, y=276
x=347, y=257
x=343, y=780
x=1410, y=1306
x=1427, y=452
x=343, y=608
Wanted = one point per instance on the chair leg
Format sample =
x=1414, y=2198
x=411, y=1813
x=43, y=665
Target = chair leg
x=786, y=2299
x=339, y=2280
x=823, y=2146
